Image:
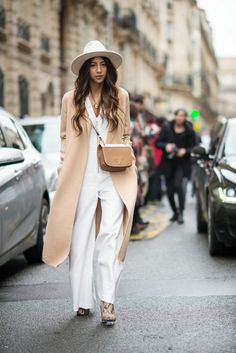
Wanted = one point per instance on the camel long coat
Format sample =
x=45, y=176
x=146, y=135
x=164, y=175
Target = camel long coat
x=74, y=151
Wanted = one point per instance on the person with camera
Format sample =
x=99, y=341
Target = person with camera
x=176, y=140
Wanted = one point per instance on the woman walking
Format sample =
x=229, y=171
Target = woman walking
x=176, y=140
x=91, y=214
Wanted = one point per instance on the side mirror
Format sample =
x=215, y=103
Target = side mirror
x=10, y=156
x=199, y=152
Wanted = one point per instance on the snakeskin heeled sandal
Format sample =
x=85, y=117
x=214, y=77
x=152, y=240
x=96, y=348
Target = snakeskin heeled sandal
x=108, y=316
x=83, y=312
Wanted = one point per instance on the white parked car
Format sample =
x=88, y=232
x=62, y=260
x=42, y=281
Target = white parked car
x=24, y=197
x=44, y=133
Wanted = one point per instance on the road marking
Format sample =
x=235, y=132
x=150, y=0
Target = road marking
x=159, y=221
x=138, y=236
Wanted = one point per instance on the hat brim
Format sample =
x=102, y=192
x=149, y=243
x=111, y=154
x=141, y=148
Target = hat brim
x=77, y=63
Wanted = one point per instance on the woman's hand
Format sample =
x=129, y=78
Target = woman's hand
x=181, y=152
x=169, y=147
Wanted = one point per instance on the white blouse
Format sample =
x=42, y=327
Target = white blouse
x=101, y=125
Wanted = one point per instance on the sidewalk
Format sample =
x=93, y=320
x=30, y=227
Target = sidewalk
x=158, y=215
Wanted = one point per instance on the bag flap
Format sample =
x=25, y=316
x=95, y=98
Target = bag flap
x=115, y=155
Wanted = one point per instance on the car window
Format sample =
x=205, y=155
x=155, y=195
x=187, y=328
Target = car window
x=45, y=137
x=230, y=142
x=2, y=139
x=12, y=133
x=22, y=133
x=216, y=135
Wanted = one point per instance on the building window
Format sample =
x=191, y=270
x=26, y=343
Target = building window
x=43, y=103
x=2, y=17
x=1, y=88
x=116, y=10
x=47, y=101
x=45, y=43
x=169, y=4
x=169, y=31
x=24, y=96
x=23, y=29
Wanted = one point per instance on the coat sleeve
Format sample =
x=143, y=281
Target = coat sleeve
x=62, y=133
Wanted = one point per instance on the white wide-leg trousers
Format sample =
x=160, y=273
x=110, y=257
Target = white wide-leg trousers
x=93, y=264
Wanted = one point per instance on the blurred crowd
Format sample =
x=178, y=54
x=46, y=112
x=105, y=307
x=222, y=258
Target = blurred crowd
x=151, y=136
x=145, y=129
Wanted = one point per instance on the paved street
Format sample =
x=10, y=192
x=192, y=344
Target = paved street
x=173, y=297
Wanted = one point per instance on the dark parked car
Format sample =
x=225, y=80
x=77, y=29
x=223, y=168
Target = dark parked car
x=215, y=183
x=24, y=198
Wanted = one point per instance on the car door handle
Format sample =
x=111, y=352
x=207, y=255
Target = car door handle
x=17, y=174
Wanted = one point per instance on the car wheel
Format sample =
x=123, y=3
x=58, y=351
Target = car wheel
x=215, y=247
x=34, y=254
x=201, y=223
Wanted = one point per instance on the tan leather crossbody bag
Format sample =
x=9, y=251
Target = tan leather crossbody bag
x=113, y=157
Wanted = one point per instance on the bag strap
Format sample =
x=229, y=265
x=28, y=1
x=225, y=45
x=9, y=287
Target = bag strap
x=90, y=112
x=97, y=132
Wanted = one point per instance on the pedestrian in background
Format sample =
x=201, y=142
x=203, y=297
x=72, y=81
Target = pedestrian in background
x=176, y=140
x=91, y=215
x=143, y=159
x=138, y=146
x=152, y=133
x=138, y=100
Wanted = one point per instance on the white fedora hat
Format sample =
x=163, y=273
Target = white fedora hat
x=93, y=49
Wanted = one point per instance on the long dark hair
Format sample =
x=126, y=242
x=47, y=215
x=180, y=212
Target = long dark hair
x=109, y=97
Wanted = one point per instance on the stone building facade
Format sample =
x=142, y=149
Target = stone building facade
x=29, y=56
x=177, y=88
x=227, y=90
x=163, y=48
x=209, y=81
x=124, y=26
x=190, y=78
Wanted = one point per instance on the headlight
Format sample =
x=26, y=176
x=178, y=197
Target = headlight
x=230, y=192
x=227, y=195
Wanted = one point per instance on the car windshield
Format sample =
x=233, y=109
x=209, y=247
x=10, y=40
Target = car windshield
x=230, y=141
x=45, y=137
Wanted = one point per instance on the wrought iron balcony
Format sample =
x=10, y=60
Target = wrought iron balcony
x=181, y=80
x=126, y=20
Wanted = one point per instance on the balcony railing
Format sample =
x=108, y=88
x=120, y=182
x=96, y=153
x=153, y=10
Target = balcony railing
x=181, y=80
x=125, y=20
